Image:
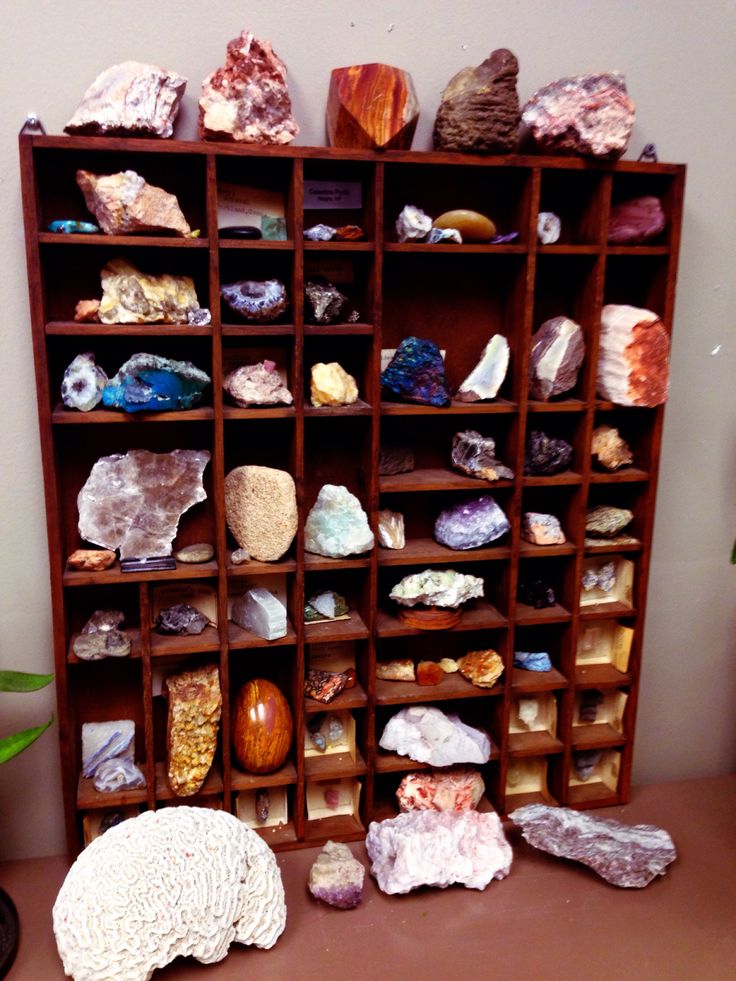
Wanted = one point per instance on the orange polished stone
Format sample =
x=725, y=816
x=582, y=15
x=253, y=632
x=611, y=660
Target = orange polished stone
x=429, y=673
x=472, y=225
x=372, y=106
x=262, y=727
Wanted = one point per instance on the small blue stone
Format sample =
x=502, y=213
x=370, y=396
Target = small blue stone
x=150, y=382
x=69, y=227
x=532, y=660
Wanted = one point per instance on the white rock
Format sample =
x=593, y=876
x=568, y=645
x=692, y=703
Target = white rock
x=437, y=587
x=486, y=378
x=633, y=359
x=427, y=735
x=337, y=525
x=412, y=225
x=106, y=741
x=258, y=610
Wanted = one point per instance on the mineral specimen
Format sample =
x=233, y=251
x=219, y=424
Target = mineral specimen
x=536, y=592
x=437, y=587
x=532, y=660
x=549, y=227
x=101, y=637
x=445, y=790
x=633, y=360
x=324, y=686
x=130, y=296
x=610, y=448
x=193, y=719
x=106, y=741
x=472, y=523
x=314, y=728
x=325, y=304
x=482, y=668
x=260, y=510
x=130, y=99
x=607, y=521
x=91, y=559
x=394, y=458
x=542, y=529
x=111, y=820
x=337, y=525
x=83, y=383
x=472, y=225
x=486, y=378
x=325, y=606
x=590, y=699
x=417, y=373
x=238, y=556
x=585, y=762
x=429, y=673
x=114, y=775
x=449, y=665
x=125, y=202
x=257, y=384
x=412, y=225
x=194, y=554
x=636, y=221
x=624, y=855
x=557, y=353
x=240, y=231
x=114, y=916
x=475, y=455
x=331, y=385
x=151, y=382
x=332, y=798
x=262, y=727
x=599, y=577
x=259, y=302
x=349, y=233
x=528, y=711
x=319, y=233
x=427, y=735
x=259, y=611
x=133, y=501
x=262, y=805
x=68, y=226
x=401, y=669
x=479, y=110
x=371, y=106
x=439, y=235
x=247, y=99
x=87, y=312
x=437, y=848
x=546, y=455
x=336, y=877
x=391, y=529
x=587, y=114
x=273, y=228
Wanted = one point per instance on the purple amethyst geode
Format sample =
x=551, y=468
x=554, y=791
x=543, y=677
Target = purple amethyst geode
x=472, y=523
x=417, y=373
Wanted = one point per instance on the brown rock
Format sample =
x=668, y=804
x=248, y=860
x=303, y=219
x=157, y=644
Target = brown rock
x=87, y=312
x=429, y=673
x=125, y=202
x=262, y=726
x=260, y=509
x=91, y=559
x=349, y=233
x=633, y=359
x=636, y=221
x=194, y=709
x=483, y=668
x=610, y=448
x=371, y=106
x=472, y=225
x=479, y=111
x=558, y=349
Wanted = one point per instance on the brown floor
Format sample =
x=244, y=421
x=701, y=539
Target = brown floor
x=548, y=919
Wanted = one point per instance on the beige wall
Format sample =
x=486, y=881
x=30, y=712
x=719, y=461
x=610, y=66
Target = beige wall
x=678, y=60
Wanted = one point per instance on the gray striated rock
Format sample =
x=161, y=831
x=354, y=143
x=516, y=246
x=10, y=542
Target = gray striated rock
x=557, y=352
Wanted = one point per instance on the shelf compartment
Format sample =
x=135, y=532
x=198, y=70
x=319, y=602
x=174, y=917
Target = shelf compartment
x=88, y=798
x=599, y=676
x=537, y=681
x=454, y=408
x=63, y=416
x=331, y=631
x=168, y=645
x=426, y=551
x=452, y=686
x=284, y=776
x=601, y=786
x=335, y=766
x=357, y=408
x=527, y=782
x=482, y=616
x=137, y=240
x=240, y=639
x=277, y=824
x=538, y=736
x=113, y=575
x=577, y=199
x=604, y=647
x=349, y=699
x=436, y=479
x=73, y=329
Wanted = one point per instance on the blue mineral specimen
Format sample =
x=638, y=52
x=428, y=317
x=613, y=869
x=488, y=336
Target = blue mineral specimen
x=417, y=373
x=69, y=227
x=532, y=660
x=150, y=382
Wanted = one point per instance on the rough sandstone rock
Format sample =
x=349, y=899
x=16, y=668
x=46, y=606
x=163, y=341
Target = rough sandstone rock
x=371, y=106
x=633, y=360
x=260, y=510
x=125, y=202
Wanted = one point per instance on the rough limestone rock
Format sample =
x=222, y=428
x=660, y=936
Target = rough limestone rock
x=336, y=877
x=633, y=359
x=330, y=384
x=154, y=383
x=257, y=384
x=427, y=735
x=260, y=510
x=130, y=99
x=628, y=855
x=610, y=448
x=437, y=848
x=337, y=525
x=437, y=587
x=636, y=221
x=193, y=721
x=558, y=349
x=440, y=790
x=125, y=202
x=130, y=296
x=372, y=107
x=83, y=383
x=114, y=916
x=479, y=111
x=417, y=373
x=247, y=99
x=587, y=114
x=133, y=501
x=486, y=378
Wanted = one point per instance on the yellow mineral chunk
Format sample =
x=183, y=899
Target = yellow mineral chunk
x=332, y=385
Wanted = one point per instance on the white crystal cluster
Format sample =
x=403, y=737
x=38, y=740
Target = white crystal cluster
x=437, y=587
x=427, y=735
x=180, y=882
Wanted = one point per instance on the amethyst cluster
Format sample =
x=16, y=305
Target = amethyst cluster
x=474, y=522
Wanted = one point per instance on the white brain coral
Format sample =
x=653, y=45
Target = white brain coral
x=183, y=881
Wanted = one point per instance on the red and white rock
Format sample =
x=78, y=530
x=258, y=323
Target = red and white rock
x=633, y=357
x=448, y=790
x=636, y=221
x=558, y=349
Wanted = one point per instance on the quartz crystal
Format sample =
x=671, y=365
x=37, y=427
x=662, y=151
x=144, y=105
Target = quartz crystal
x=259, y=611
x=428, y=735
x=194, y=709
x=336, y=877
x=475, y=455
x=181, y=619
x=459, y=789
x=83, y=383
x=482, y=668
x=125, y=202
x=114, y=775
x=542, y=529
x=607, y=521
x=636, y=221
x=101, y=637
x=106, y=741
x=257, y=384
x=412, y=225
x=622, y=854
x=546, y=455
x=472, y=225
x=133, y=501
x=337, y=525
x=437, y=587
x=610, y=449
x=151, y=382
x=130, y=296
x=260, y=510
x=331, y=385
x=400, y=669
x=557, y=353
x=472, y=523
x=417, y=373
x=437, y=848
x=325, y=304
x=549, y=227
x=532, y=660
x=633, y=359
x=486, y=378
x=371, y=107
x=257, y=301
x=391, y=529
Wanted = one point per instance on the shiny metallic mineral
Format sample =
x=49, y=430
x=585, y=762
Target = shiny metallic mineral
x=417, y=373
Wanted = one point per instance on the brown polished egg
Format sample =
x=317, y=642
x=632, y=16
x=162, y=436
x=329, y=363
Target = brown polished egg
x=262, y=727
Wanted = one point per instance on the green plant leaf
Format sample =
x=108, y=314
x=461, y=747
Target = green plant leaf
x=22, y=681
x=10, y=746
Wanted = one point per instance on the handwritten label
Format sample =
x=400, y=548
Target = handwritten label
x=328, y=195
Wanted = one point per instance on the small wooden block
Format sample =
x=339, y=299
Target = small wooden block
x=431, y=619
x=372, y=106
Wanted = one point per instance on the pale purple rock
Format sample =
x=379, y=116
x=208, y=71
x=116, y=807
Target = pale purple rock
x=437, y=848
x=557, y=353
x=257, y=384
x=475, y=455
x=636, y=221
x=428, y=735
x=474, y=522
x=337, y=877
x=625, y=855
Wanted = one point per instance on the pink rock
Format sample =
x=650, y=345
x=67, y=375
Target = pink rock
x=449, y=790
x=247, y=100
x=542, y=529
x=557, y=353
x=257, y=384
x=633, y=358
x=636, y=221
x=587, y=114
x=437, y=848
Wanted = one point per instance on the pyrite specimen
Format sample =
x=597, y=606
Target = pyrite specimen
x=417, y=373
x=607, y=521
x=633, y=360
x=130, y=296
x=260, y=510
x=486, y=378
x=133, y=501
x=475, y=455
x=149, y=382
x=428, y=735
x=459, y=789
x=472, y=523
x=391, y=529
x=125, y=202
x=557, y=352
x=587, y=114
x=330, y=384
x=482, y=668
x=337, y=525
x=336, y=877
x=259, y=302
x=546, y=455
x=542, y=529
x=259, y=611
x=247, y=99
x=101, y=637
x=257, y=384
x=130, y=99
x=479, y=111
x=371, y=106
x=193, y=720
x=636, y=221
x=412, y=225
x=610, y=448
x=624, y=855
x=181, y=619
x=83, y=383
x=325, y=304
x=437, y=587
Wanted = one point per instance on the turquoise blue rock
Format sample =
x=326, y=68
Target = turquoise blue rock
x=68, y=227
x=532, y=660
x=153, y=383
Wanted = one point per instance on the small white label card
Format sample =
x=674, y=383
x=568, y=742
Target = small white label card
x=323, y=195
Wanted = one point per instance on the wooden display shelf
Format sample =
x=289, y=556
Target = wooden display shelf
x=533, y=744
x=334, y=766
x=348, y=699
x=123, y=241
x=330, y=631
x=73, y=329
x=135, y=646
x=597, y=736
x=89, y=798
x=61, y=416
x=436, y=479
x=455, y=408
x=482, y=616
x=283, y=777
x=166, y=645
x=600, y=676
x=452, y=686
x=533, y=681
x=241, y=639
x=426, y=551
x=115, y=577
x=211, y=787
x=530, y=615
